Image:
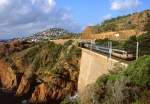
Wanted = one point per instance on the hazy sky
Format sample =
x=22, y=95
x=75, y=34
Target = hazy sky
x=21, y=17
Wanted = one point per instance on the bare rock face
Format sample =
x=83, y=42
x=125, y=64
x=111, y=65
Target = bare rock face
x=40, y=94
x=47, y=93
x=52, y=91
x=7, y=76
x=24, y=85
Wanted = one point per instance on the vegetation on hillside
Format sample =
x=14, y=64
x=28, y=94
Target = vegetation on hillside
x=116, y=24
x=147, y=26
x=69, y=100
x=127, y=86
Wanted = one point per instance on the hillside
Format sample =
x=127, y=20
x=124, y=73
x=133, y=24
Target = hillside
x=135, y=22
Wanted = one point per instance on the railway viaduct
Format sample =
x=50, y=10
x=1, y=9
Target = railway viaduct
x=92, y=66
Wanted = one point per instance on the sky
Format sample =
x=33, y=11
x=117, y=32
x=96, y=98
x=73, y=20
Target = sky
x=21, y=18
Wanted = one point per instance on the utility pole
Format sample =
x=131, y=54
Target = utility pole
x=94, y=42
x=110, y=54
x=91, y=45
x=110, y=49
x=137, y=50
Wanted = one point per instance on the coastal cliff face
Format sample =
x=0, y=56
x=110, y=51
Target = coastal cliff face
x=7, y=77
x=39, y=72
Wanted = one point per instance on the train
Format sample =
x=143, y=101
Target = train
x=125, y=55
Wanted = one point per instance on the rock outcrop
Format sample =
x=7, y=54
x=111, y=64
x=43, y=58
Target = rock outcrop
x=40, y=94
x=7, y=77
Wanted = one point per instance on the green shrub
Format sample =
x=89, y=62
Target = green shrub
x=139, y=71
x=102, y=80
x=67, y=100
x=130, y=44
x=144, y=44
x=68, y=43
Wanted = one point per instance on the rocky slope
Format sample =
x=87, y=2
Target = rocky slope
x=38, y=72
